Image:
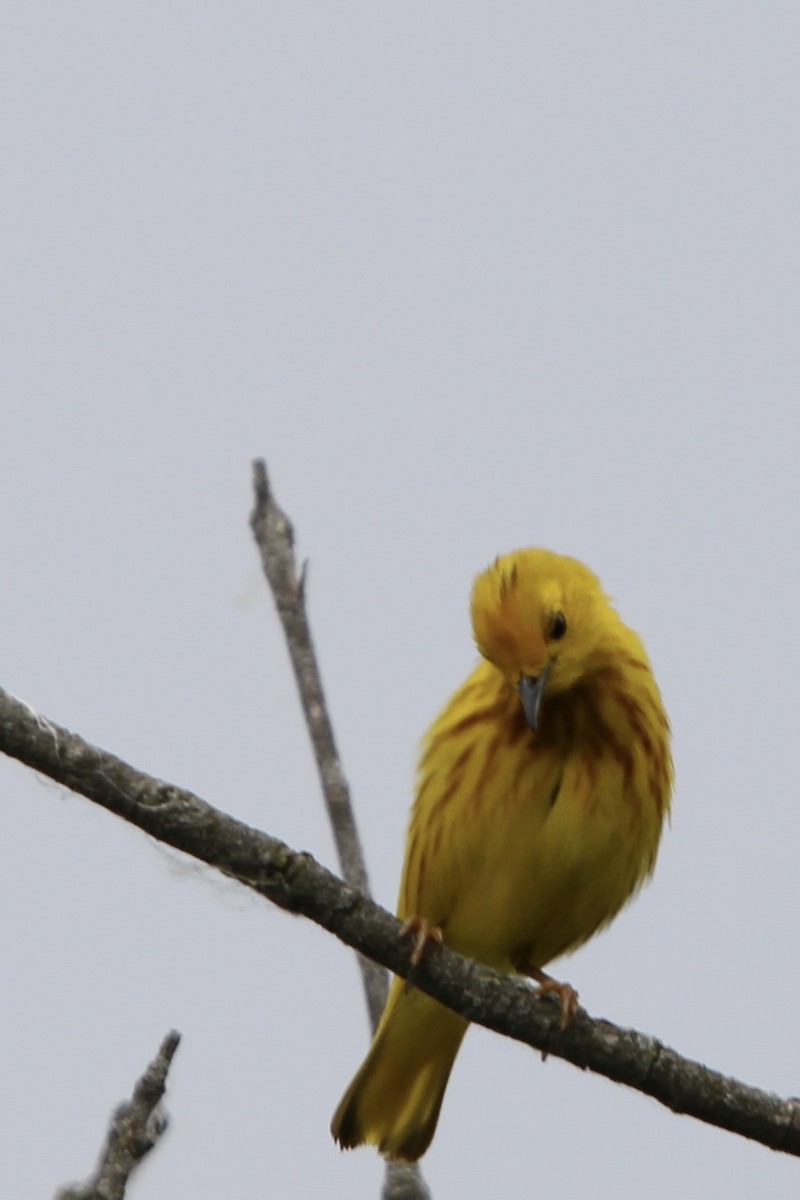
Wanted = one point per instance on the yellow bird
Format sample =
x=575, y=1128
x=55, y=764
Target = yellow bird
x=541, y=795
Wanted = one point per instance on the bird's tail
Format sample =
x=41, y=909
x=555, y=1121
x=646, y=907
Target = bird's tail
x=394, y=1099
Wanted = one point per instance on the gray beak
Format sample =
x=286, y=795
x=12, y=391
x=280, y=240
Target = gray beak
x=530, y=692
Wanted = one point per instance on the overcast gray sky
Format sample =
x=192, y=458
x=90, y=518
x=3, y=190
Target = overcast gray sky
x=470, y=277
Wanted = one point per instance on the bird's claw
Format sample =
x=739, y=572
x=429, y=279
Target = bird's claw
x=567, y=996
x=424, y=933
x=548, y=986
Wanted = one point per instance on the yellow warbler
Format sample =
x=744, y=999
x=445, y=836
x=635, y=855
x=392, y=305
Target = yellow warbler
x=541, y=795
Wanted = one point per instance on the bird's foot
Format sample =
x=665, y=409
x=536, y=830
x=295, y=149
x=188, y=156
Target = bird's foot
x=564, y=991
x=423, y=933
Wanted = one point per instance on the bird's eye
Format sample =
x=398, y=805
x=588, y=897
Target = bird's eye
x=559, y=627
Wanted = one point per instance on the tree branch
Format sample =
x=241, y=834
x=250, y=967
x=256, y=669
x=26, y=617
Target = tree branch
x=296, y=882
x=274, y=537
x=135, y=1128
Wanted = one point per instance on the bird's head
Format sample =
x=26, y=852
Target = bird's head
x=539, y=618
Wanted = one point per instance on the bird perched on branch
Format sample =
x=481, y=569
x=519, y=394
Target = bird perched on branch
x=541, y=795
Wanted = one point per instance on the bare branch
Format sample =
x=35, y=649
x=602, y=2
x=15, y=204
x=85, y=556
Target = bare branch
x=404, y=1181
x=300, y=885
x=135, y=1128
x=274, y=537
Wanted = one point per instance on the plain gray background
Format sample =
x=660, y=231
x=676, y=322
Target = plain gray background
x=471, y=277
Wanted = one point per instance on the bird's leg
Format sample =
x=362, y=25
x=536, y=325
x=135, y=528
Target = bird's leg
x=424, y=933
x=565, y=992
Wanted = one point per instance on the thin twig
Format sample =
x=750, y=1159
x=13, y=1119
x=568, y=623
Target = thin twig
x=274, y=537
x=135, y=1128
x=300, y=885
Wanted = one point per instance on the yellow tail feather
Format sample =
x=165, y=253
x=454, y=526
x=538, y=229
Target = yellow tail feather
x=394, y=1100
